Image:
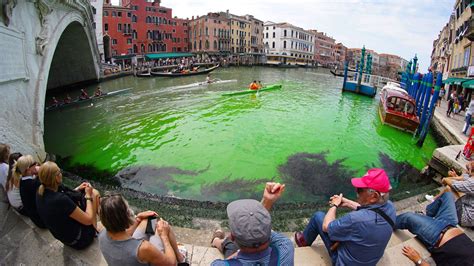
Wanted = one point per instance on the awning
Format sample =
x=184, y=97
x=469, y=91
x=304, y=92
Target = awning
x=167, y=55
x=120, y=57
x=455, y=81
x=469, y=84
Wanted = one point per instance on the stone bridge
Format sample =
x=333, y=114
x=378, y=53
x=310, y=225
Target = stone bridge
x=44, y=44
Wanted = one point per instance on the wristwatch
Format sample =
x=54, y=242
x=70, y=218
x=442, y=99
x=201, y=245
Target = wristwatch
x=419, y=262
x=333, y=205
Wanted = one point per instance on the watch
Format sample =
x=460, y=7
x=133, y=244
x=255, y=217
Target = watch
x=419, y=262
x=333, y=205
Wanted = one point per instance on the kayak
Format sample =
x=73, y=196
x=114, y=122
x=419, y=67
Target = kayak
x=78, y=101
x=267, y=88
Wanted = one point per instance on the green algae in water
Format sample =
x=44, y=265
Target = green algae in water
x=234, y=144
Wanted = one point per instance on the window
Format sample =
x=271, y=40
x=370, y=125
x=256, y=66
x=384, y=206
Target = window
x=129, y=14
x=106, y=27
x=134, y=35
x=284, y=44
x=119, y=27
x=114, y=41
x=129, y=41
x=106, y=13
x=114, y=14
x=273, y=34
x=273, y=44
x=467, y=52
x=215, y=45
x=284, y=33
x=207, y=45
x=134, y=18
x=119, y=14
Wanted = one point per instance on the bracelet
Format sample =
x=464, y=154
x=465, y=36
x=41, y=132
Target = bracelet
x=89, y=198
x=333, y=205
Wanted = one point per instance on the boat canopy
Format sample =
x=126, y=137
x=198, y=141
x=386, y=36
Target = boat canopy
x=469, y=84
x=455, y=81
x=166, y=55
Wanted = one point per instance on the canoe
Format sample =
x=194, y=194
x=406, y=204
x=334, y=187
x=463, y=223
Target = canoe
x=76, y=102
x=190, y=73
x=267, y=88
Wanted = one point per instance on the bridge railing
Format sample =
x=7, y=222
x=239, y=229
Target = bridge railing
x=373, y=80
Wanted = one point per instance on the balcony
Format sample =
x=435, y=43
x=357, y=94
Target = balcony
x=470, y=30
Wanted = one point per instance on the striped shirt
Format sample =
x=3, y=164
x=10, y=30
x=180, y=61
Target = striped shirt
x=277, y=240
x=466, y=202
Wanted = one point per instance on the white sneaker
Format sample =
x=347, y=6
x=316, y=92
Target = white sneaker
x=429, y=197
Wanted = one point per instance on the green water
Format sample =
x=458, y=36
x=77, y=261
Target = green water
x=194, y=138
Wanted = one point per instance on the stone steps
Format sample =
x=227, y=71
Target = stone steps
x=23, y=243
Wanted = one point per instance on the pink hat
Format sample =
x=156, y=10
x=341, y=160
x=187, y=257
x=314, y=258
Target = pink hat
x=375, y=178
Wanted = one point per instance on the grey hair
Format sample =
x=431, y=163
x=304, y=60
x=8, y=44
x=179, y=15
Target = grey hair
x=383, y=196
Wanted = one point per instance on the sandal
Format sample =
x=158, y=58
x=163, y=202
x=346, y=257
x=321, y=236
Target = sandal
x=217, y=234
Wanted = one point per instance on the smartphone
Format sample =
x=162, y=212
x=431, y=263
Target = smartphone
x=149, y=226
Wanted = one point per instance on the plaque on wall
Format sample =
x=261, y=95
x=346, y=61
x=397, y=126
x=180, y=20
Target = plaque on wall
x=12, y=56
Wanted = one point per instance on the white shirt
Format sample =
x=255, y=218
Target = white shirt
x=470, y=109
x=3, y=174
x=14, y=197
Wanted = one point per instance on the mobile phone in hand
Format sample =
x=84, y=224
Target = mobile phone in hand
x=149, y=226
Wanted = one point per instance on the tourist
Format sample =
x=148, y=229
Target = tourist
x=125, y=240
x=359, y=237
x=469, y=112
x=4, y=154
x=251, y=240
x=23, y=186
x=253, y=86
x=462, y=188
x=68, y=99
x=84, y=95
x=208, y=79
x=11, y=187
x=441, y=96
x=451, y=100
x=98, y=92
x=72, y=224
x=437, y=230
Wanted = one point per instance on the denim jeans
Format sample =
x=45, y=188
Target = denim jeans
x=315, y=228
x=439, y=214
x=468, y=123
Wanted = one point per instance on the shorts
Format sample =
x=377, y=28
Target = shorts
x=153, y=239
x=85, y=237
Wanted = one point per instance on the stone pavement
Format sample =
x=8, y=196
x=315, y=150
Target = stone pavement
x=21, y=243
x=450, y=127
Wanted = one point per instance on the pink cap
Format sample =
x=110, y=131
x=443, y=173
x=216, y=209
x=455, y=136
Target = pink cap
x=375, y=178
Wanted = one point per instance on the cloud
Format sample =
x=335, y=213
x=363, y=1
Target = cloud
x=402, y=27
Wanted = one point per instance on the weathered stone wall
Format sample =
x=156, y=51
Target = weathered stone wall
x=29, y=35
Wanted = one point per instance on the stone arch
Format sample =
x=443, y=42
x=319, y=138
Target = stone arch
x=68, y=24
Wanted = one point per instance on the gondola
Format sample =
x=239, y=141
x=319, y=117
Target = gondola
x=190, y=73
x=78, y=101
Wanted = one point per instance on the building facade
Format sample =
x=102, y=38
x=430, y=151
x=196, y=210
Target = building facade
x=98, y=6
x=461, y=56
x=324, y=49
x=137, y=27
x=210, y=34
x=340, y=54
x=285, y=39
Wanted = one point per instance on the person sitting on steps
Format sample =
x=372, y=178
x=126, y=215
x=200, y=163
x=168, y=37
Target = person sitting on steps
x=126, y=241
x=437, y=230
x=359, y=237
x=251, y=240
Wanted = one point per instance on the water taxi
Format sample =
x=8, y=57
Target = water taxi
x=397, y=108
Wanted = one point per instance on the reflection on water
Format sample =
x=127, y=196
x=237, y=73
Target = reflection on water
x=240, y=141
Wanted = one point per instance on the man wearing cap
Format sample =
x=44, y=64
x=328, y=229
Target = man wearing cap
x=252, y=241
x=359, y=237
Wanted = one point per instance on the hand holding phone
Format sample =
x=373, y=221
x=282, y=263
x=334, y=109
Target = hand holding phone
x=149, y=226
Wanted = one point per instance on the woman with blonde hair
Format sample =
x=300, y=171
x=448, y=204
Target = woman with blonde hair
x=22, y=188
x=126, y=240
x=4, y=153
x=74, y=225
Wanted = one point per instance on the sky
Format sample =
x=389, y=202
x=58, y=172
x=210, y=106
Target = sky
x=401, y=27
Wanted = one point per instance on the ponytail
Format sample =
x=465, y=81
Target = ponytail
x=47, y=175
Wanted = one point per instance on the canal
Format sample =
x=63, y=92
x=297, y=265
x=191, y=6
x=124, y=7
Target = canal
x=170, y=137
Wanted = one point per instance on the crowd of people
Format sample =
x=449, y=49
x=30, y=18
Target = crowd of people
x=357, y=238
x=456, y=103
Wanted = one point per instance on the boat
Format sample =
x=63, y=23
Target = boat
x=143, y=74
x=79, y=101
x=398, y=109
x=190, y=73
x=267, y=88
